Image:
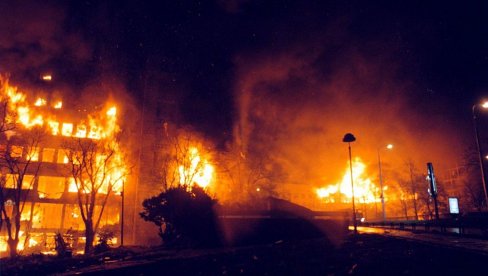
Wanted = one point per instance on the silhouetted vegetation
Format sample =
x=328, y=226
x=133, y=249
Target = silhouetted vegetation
x=185, y=216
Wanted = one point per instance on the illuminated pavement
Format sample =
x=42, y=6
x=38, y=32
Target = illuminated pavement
x=463, y=243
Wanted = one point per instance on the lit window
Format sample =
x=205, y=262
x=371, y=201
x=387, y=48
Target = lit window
x=67, y=129
x=48, y=155
x=12, y=179
x=51, y=186
x=54, y=126
x=80, y=131
x=16, y=151
x=33, y=154
x=62, y=157
x=28, y=182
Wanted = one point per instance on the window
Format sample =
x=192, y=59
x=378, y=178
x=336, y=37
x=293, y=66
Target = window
x=11, y=181
x=50, y=215
x=51, y=186
x=67, y=129
x=28, y=182
x=16, y=151
x=62, y=157
x=33, y=154
x=48, y=155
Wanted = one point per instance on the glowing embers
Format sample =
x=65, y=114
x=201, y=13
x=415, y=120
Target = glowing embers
x=195, y=170
x=364, y=189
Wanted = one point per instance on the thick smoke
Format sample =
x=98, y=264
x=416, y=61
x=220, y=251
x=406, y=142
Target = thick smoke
x=34, y=39
x=297, y=104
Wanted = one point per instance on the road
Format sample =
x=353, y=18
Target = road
x=451, y=241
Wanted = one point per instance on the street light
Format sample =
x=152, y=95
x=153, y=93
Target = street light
x=349, y=138
x=480, y=154
x=382, y=196
x=122, y=195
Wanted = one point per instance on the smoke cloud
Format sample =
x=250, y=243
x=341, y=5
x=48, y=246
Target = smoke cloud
x=295, y=105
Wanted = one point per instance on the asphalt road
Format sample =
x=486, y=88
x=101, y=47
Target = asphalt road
x=364, y=254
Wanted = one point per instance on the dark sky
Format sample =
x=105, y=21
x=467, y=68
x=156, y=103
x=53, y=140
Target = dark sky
x=438, y=51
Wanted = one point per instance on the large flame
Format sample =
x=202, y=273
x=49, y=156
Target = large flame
x=364, y=189
x=41, y=113
x=198, y=170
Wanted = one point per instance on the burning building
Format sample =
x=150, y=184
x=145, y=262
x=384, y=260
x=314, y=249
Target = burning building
x=60, y=169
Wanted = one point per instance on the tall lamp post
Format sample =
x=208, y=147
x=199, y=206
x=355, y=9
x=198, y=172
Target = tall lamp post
x=478, y=144
x=122, y=195
x=349, y=138
x=382, y=196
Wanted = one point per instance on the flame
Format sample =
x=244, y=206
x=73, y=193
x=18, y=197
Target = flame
x=67, y=129
x=100, y=125
x=198, y=171
x=33, y=154
x=40, y=102
x=364, y=189
x=30, y=112
x=54, y=126
x=112, y=111
x=80, y=131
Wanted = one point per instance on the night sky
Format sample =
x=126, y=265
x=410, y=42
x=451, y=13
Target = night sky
x=431, y=57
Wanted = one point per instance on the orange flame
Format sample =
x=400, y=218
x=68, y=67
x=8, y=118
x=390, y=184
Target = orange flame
x=198, y=171
x=364, y=189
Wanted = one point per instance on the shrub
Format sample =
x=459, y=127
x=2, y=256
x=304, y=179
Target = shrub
x=184, y=215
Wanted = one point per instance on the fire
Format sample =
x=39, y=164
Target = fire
x=58, y=105
x=27, y=112
x=198, y=171
x=40, y=102
x=100, y=125
x=364, y=189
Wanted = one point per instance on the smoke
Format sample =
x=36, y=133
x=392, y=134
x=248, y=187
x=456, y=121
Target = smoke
x=295, y=105
x=34, y=39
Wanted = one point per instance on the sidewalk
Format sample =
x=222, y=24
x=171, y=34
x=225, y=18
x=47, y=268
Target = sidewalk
x=463, y=243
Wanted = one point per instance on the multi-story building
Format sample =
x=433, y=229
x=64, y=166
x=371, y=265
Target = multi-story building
x=49, y=195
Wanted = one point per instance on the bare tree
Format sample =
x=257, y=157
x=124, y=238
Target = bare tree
x=414, y=186
x=183, y=159
x=249, y=175
x=97, y=168
x=469, y=174
x=18, y=158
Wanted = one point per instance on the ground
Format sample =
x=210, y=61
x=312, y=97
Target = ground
x=365, y=254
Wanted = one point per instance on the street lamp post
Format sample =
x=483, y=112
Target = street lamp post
x=478, y=145
x=348, y=138
x=122, y=195
x=382, y=196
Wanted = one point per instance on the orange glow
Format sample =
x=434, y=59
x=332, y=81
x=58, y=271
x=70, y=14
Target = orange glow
x=364, y=188
x=80, y=131
x=67, y=129
x=58, y=105
x=33, y=154
x=47, y=77
x=40, y=102
x=198, y=171
x=54, y=126
x=100, y=125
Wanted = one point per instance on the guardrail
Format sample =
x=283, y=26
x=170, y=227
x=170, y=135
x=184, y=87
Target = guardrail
x=457, y=227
